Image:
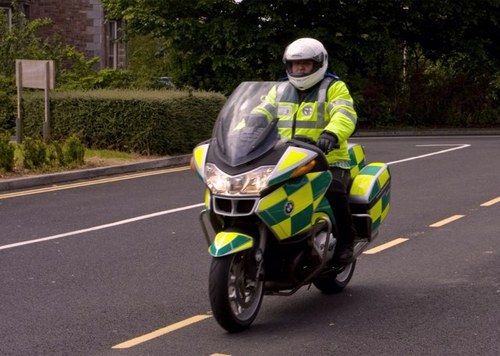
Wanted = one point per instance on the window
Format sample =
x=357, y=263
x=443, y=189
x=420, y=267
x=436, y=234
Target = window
x=6, y=13
x=115, y=47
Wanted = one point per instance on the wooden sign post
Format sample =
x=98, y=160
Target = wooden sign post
x=36, y=74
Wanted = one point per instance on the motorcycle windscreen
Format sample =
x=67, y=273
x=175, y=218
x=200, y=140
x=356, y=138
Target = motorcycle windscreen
x=244, y=130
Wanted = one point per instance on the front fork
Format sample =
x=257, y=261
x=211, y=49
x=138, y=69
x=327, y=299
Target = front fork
x=203, y=216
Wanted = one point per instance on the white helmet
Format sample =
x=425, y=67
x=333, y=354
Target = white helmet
x=301, y=49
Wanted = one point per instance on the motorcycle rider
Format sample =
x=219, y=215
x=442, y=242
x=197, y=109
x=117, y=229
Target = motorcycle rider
x=317, y=105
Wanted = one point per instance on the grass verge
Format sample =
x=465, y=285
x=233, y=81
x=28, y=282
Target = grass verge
x=92, y=159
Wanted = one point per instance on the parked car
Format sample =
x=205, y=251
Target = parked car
x=167, y=81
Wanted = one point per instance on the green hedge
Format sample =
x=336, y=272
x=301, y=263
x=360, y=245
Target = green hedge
x=147, y=122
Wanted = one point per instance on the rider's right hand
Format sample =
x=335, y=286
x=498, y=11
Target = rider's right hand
x=256, y=120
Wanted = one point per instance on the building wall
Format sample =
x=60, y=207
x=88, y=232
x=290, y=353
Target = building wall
x=81, y=24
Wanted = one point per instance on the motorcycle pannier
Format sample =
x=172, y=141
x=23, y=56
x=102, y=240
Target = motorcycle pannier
x=369, y=198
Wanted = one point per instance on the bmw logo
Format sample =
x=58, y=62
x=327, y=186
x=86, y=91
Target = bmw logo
x=288, y=207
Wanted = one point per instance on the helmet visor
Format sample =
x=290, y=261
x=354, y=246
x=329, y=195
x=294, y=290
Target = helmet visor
x=302, y=67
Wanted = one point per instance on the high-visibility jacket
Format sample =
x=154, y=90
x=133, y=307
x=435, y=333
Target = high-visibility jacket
x=327, y=106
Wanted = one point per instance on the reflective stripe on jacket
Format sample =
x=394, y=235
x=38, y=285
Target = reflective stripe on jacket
x=326, y=106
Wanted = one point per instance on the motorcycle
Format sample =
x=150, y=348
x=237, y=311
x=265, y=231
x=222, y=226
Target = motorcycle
x=267, y=223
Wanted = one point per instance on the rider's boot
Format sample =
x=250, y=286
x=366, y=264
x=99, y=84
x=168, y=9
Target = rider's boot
x=346, y=233
x=344, y=250
x=338, y=198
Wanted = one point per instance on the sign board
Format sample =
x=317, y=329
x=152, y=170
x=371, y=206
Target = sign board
x=35, y=74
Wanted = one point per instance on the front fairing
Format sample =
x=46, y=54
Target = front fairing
x=246, y=154
x=235, y=140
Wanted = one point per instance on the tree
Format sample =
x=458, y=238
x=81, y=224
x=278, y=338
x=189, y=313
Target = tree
x=390, y=52
x=21, y=41
x=463, y=34
x=217, y=44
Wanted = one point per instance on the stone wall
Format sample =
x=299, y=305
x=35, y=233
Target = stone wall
x=80, y=23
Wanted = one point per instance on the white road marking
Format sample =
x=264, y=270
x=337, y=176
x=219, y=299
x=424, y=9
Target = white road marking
x=100, y=227
x=460, y=146
x=126, y=221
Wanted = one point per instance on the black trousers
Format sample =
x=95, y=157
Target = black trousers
x=337, y=196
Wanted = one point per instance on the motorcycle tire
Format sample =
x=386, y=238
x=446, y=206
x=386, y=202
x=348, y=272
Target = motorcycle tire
x=335, y=282
x=235, y=290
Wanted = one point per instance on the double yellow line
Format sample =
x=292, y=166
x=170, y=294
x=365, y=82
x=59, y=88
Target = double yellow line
x=91, y=182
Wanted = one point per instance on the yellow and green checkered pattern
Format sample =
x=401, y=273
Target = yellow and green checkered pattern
x=380, y=210
x=289, y=210
x=357, y=155
x=199, y=156
x=227, y=242
x=371, y=190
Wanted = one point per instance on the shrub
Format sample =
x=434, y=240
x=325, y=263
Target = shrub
x=7, y=103
x=73, y=151
x=6, y=152
x=38, y=155
x=34, y=153
x=55, y=154
x=146, y=122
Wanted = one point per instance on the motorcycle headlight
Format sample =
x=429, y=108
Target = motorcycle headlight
x=252, y=182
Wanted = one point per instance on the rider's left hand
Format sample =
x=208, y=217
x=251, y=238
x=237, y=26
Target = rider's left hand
x=327, y=141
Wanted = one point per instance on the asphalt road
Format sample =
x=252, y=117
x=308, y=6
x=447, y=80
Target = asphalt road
x=118, y=266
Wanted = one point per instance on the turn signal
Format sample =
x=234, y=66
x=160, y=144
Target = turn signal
x=304, y=169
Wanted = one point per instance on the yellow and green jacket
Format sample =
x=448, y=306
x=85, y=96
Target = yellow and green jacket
x=326, y=106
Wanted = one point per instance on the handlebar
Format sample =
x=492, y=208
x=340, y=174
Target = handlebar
x=307, y=143
x=310, y=141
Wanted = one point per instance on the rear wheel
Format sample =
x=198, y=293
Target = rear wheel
x=335, y=281
x=235, y=290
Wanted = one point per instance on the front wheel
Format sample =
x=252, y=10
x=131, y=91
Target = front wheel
x=335, y=281
x=235, y=290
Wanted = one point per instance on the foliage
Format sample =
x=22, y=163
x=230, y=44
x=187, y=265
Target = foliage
x=23, y=42
x=6, y=152
x=34, y=153
x=147, y=59
x=73, y=151
x=406, y=62
x=462, y=34
x=37, y=155
x=19, y=42
x=105, y=78
x=378, y=48
x=146, y=122
x=7, y=108
x=245, y=40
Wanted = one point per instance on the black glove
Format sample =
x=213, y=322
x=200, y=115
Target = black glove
x=327, y=141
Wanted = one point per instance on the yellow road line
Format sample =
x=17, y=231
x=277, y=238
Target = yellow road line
x=491, y=202
x=157, y=333
x=385, y=246
x=446, y=221
x=92, y=182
